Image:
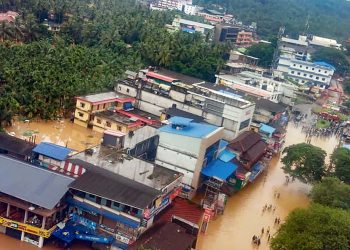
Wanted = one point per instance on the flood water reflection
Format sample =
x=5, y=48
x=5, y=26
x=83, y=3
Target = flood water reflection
x=243, y=215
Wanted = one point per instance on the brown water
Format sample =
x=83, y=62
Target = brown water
x=243, y=215
x=60, y=132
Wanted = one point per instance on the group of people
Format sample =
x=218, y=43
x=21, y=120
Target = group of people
x=269, y=208
x=256, y=240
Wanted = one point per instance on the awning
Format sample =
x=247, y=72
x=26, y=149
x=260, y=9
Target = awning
x=226, y=155
x=219, y=169
x=256, y=170
x=128, y=106
x=267, y=129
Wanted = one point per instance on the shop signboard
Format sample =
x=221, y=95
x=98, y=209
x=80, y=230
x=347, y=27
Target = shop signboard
x=123, y=239
x=26, y=228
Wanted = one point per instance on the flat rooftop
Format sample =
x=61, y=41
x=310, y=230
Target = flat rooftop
x=135, y=170
x=15, y=145
x=102, y=97
x=115, y=116
x=178, y=76
x=29, y=183
x=189, y=22
x=188, y=128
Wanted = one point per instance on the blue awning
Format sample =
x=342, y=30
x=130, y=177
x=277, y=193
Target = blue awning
x=119, y=218
x=226, y=155
x=219, y=169
x=256, y=171
x=266, y=129
x=53, y=151
x=128, y=106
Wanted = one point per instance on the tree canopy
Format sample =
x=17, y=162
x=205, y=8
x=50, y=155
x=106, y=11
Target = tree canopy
x=329, y=18
x=314, y=228
x=334, y=57
x=304, y=162
x=262, y=51
x=331, y=192
x=97, y=42
x=340, y=160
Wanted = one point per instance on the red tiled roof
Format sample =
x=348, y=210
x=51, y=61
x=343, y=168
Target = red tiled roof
x=182, y=208
x=255, y=152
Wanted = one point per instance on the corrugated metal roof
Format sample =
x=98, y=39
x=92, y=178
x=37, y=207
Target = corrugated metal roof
x=35, y=185
x=219, y=169
x=53, y=151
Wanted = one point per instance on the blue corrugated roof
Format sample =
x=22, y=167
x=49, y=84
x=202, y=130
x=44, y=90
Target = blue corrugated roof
x=53, y=151
x=190, y=129
x=226, y=155
x=324, y=64
x=266, y=129
x=219, y=169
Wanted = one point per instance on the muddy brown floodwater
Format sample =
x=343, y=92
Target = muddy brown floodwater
x=60, y=132
x=243, y=215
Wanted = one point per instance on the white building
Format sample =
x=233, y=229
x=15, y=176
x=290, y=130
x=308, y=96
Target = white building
x=162, y=89
x=318, y=41
x=186, y=146
x=317, y=73
x=257, y=85
x=191, y=26
x=170, y=5
x=190, y=9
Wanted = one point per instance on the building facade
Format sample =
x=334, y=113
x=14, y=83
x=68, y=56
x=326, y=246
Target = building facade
x=192, y=27
x=160, y=90
x=186, y=146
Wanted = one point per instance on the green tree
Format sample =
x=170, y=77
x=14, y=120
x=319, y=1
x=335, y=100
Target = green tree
x=304, y=162
x=262, y=51
x=314, y=228
x=331, y=192
x=340, y=161
x=334, y=57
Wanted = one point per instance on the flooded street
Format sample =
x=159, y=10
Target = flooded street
x=60, y=132
x=243, y=215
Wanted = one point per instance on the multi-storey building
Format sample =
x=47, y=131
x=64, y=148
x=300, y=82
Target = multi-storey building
x=159, y=90
x=87, y=106
x=245, y=38
x=186, y=146
x=315, y=73
x=119, y=194
x=257, y=85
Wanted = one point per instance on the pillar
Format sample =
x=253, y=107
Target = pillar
x=24, y=221
x=41, y=239
x=8, y=210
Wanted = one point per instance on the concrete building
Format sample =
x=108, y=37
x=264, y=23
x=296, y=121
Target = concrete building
x=120, y=194
x=257, y=85
x=307, y=73
x=191, y=26
x=317, y=41
x=212, y=16
x=245, y=39
x=31, y=200
x=226, y=33
x=190, y=9
x=170, y=4
x=161, y=89
x=187, y=147
x=87, y=106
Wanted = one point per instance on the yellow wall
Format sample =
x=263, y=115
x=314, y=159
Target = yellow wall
x=87, y=106
x=101, y=107
x=85, y=117
x=80, y=123
x=100, y=127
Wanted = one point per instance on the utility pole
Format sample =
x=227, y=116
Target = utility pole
x=276, y=52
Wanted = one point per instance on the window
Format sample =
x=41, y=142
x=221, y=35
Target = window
x=127, y=90
x=294, y=64
x=313, y=68
x=304, y=74
x=302, y=81
x=108, y=124
x=307, y=67
x=292, y=72
x=326, y=71
x=80, y=114
x=82, y=105
x=319, y=70
x=98, y=121
x=311, y=76
x=104, y=105
x=323, y=79
x=120, y=88
x=300, y=66
x=317, y=78
x=298, y=73
x=244, y=124
x=119, y=128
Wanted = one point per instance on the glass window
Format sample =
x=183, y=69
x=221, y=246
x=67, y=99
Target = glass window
x=292, y=72
x=244, y=124
x=108, y=124
x=98, y=121
x=323, y=79
x=82, y=105
x=304, y=74
x=317, y=78
x=80, y=114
